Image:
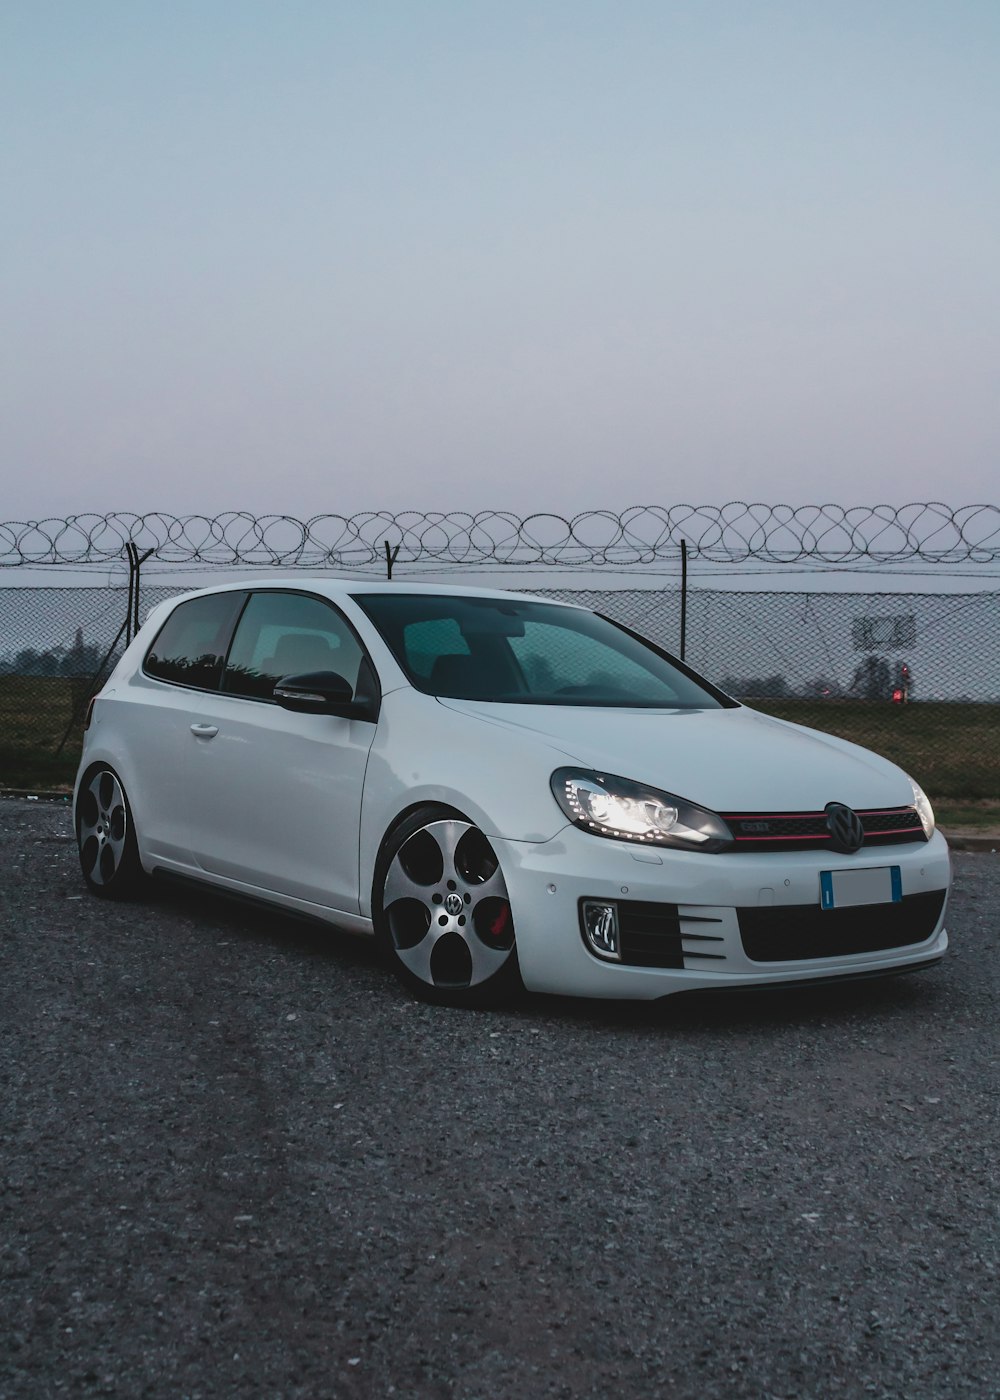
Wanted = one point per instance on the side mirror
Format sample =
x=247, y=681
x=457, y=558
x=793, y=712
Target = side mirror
x=316, y=693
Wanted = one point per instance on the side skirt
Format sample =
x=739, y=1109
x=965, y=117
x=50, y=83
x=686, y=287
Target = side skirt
x=296, y=909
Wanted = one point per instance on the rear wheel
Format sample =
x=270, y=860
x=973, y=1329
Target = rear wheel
x=109, y=856
x=442, y=913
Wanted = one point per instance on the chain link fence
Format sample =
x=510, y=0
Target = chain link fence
x=914, y=676
x=57, y=646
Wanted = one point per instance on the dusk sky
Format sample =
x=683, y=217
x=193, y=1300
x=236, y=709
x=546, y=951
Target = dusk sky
x=305, y=257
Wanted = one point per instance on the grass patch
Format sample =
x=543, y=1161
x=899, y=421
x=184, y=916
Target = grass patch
x=953, y=751
x=35, y=712
x=29, y=770
x=953, y=814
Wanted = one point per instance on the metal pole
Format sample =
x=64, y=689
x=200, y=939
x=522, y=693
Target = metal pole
x=130, y=606
x=127, y=630
x=684, y=596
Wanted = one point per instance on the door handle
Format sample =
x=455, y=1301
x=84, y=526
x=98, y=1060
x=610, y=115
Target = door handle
x=204, y=731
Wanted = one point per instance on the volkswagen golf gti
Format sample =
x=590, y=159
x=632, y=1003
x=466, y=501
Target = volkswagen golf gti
x=502, y=790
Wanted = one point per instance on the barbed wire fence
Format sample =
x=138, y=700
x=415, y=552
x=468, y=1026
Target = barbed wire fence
x=640, y=535
x=846, y=661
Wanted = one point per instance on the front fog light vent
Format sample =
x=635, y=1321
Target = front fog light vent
x=599, y=920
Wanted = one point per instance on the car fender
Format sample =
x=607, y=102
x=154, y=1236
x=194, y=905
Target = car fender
x=425, y=753
x=105, y=746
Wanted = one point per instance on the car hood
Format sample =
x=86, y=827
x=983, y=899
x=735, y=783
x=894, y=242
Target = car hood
x=728, y=759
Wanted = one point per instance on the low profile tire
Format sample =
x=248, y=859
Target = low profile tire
x=105, y=835
x=442, y=916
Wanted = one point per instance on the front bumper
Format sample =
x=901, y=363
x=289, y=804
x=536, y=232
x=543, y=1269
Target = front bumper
x=547, y=880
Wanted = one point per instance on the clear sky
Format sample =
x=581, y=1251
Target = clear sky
x=329, y=255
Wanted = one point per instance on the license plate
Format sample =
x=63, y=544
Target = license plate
x=843, y=889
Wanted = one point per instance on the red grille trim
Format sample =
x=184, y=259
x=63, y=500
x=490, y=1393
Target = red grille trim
x=884, y=826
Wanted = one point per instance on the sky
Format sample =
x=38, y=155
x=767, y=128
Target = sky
x=302, y=257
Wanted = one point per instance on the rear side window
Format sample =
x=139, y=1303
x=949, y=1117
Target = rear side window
x=190, y=647
x=287, y=634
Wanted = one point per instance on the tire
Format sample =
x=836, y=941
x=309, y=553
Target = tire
x=441, y=912
x=105, y=836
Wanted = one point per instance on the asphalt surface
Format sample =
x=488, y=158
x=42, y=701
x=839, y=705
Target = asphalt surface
x=237, y=1160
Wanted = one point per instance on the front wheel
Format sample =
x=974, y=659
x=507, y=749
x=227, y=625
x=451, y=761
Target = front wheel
x=109, y=856
x=442, y=913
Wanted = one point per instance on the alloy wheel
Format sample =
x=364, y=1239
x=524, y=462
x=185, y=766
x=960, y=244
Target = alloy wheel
x=446, y=907
x=103, y=828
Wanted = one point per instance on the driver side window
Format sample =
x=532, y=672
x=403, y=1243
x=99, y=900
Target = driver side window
x=286, y=634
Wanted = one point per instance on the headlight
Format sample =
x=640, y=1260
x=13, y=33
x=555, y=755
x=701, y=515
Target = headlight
x=924, y=809
x=626, y=811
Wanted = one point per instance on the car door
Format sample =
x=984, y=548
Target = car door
x=280, y=792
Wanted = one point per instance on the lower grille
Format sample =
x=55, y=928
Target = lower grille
x=651, y=934
x=803, y=931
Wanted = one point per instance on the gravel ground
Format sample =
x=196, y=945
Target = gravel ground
x=239, y=1161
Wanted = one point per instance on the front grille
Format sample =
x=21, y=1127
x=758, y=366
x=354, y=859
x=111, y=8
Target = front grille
x=801, y=931
x=807, y=831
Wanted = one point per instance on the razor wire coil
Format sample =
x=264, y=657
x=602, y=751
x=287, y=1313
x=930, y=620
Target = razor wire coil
x=929, y=532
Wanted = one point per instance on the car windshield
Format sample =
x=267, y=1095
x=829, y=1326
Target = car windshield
x=529, y=653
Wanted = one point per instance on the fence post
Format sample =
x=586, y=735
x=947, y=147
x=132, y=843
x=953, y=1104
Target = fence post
x=135, y=562
x=127, y=630
x=130, y=551
x=684, y=596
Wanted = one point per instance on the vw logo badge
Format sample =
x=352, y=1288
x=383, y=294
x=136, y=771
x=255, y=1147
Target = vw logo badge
x=454, y=904
x=847, y=834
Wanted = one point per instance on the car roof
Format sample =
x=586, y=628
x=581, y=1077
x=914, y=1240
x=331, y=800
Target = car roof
x=350, y=588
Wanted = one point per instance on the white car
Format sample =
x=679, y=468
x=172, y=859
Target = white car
x=500, y=789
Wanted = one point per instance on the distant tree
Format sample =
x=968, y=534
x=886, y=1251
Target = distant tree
x=30, y=662
x=81, y=659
